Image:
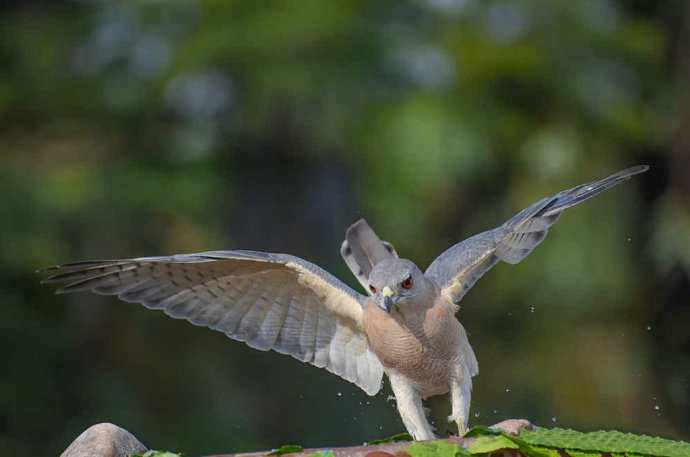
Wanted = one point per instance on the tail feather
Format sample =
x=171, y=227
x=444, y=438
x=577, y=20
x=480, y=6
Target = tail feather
x=363, y=249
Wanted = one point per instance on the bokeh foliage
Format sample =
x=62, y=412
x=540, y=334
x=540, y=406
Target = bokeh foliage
x=143, y=127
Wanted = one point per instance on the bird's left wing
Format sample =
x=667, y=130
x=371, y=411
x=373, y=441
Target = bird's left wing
x=269, y=301
x=457, y=269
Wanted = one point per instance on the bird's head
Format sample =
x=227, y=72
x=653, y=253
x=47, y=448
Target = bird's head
x=396, y=283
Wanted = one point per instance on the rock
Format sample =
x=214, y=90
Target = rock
x=104, y=440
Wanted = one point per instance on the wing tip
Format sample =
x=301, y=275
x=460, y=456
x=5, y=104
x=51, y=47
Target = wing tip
x=635, y=170
x=82, y=264
x=641, y=168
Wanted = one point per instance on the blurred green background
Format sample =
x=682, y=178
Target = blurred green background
x=158, y=127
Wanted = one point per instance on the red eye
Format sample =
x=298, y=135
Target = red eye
x=407, y=282
x=372, y=289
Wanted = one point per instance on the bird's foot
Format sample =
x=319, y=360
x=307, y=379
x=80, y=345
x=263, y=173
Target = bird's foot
x=513, y=426
x=460, y=421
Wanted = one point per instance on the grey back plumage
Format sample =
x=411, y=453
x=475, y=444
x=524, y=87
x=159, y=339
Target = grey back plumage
x=457, y=269
x=363, y=249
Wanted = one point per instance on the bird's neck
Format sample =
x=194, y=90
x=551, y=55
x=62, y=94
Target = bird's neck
x=416, y=314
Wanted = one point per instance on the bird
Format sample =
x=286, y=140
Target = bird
x=404, y=325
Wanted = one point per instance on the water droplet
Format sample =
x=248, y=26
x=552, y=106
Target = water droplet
x=495, y=411
x=629, y=240
x=531, y=309
x=340, y=394
x=649, y=327
x=380, y=427
x=554, y=419
x=477, y=414
x=507, y=390
x=657, y=408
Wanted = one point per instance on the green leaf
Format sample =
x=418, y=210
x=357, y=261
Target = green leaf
x=287, y=449
x=436, y=449
x=606, y=441
x=491, y=443
x=321, y=453
x=576, y=453
x=391, y=439
x=481, y=430
x=540, y=451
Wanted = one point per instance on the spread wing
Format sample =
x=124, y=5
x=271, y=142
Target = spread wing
x=458, y=268
x=269, y=301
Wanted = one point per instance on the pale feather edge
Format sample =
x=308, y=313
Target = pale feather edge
x=333, y=297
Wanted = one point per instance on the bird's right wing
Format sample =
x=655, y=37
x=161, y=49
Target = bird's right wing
x=269, y=301
x=458, y=268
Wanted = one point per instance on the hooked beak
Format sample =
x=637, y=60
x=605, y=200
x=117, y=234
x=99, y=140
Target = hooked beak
x=387, y=295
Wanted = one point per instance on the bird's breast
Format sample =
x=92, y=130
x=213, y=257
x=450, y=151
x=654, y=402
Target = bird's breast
x=422, y=346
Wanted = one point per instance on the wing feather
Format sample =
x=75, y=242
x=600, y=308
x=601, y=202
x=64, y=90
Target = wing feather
x=458, y=268
x=269, y=301
x=287, y=341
